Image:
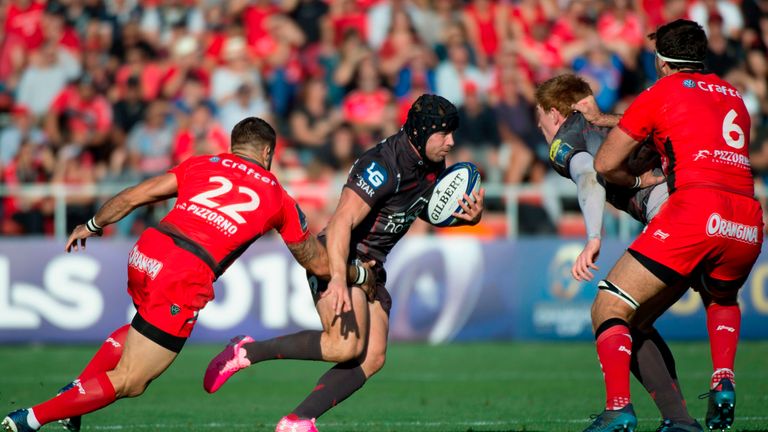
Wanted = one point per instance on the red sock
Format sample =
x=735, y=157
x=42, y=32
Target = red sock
x=724, y=325
x=614, y=349
x=108, y=355
x=89, y=395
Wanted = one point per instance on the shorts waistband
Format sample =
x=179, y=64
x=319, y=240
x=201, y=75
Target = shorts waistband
x=191, y=247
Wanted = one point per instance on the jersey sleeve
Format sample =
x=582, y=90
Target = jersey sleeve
x=568, y=142
x=292, y=224
x=180, y=170
x=371, y=179
x=638, y=121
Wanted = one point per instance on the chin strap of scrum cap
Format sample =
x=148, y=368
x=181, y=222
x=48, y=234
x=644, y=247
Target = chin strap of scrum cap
x=428, y=115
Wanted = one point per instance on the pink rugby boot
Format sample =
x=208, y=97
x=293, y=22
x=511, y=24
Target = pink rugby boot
x=226, y=363
x=291, y=423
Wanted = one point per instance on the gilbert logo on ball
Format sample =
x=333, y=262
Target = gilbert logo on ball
x=457, y=180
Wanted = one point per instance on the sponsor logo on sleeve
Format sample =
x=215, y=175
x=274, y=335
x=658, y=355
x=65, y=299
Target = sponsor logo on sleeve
x=375, y=175
x=559, y=152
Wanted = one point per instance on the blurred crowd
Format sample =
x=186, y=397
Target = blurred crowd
x=100, y=91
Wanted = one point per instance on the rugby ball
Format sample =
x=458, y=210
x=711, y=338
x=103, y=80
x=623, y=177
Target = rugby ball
x=457, y=180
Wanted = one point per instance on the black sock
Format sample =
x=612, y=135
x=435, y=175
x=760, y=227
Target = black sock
x=336, y=385
x=654, y=366
x=304, y=345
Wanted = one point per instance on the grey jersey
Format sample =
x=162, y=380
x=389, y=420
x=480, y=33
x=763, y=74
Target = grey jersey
x=577, y=135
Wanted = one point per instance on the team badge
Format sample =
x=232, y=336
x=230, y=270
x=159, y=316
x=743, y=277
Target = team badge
x=175, y=309
x=689, y=83
x=214, y=159
x=559, y=152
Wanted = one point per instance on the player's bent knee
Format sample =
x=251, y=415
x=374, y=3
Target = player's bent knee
x=374, y=363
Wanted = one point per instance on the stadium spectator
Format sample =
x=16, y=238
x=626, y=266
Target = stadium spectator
x=308, y=16
x=199, y=134
x=313, y=121
x=172, y=267
x=484, y=21
x=248, y=100
x=21, y=130
x=706, y=196
x=366, y=103
x=478, y=140
x=32, y=164
x=723, y=53
x=51, y=65
x=149, y=142
x=234, y=73
x=453, y=74
x=80, y=116
x=732, y=21
x=523, y=143
x=355, y=326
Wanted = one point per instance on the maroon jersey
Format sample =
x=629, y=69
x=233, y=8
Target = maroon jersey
x=225, y=203
x=700, y=127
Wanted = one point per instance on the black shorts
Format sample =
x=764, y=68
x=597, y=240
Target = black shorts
x=318, y=286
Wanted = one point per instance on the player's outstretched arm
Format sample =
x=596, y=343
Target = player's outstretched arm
x=591, y=195
x=588, y=107
x=349, y=213
x=472, y=209
x=151, y=190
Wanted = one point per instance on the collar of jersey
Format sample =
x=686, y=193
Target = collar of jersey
x=253, y=161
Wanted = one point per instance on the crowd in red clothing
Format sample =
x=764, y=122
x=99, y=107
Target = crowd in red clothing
x=95, y=91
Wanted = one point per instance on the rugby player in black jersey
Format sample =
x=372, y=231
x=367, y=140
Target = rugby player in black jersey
x=387, y=189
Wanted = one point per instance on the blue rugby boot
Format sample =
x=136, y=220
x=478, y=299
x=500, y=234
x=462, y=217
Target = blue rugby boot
x=721, y=406
x=669, y=426
x=71, y=424
x=16, y=422
x=614, y=420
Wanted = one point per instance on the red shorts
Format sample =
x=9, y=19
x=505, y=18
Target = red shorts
x=169, y=285
x=717, y=232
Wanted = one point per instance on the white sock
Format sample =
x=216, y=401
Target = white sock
x=32, y=420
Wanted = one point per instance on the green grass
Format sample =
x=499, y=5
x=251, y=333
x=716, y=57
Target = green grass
x=450, y=388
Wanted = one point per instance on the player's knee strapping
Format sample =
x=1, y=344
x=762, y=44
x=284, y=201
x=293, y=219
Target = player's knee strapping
x=610, y=288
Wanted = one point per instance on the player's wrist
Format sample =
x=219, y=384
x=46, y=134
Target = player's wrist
x=93, y=227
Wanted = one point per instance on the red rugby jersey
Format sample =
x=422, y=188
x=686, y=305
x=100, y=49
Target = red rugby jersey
x=226, y=202
x=701, y=129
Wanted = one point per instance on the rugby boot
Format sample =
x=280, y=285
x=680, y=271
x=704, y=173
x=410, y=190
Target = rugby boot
x=614, y=420
x=669, y=426
x=292, y=423
x=71, y=424
x=232, y=359
x=16, y=422
x=721, y=406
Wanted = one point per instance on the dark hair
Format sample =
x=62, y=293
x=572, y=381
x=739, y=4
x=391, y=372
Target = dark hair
x=561, y=92
x=682, y=40
x=253, y=132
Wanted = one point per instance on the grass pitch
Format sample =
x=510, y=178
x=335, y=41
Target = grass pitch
x=450, y=388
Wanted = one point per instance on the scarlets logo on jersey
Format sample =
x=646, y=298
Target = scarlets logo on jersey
x=719, y=227
x=559, y=152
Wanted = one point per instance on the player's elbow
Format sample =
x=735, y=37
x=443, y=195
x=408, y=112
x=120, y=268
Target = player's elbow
x=603, y=167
